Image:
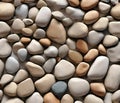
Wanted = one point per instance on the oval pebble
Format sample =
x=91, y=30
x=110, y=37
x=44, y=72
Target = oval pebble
x=67, y=99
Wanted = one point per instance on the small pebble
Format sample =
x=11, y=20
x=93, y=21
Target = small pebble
x=27, y=32
x=17, y=46
x=108, y=97
x=39, y=33
x=45, y=42
x=116, y=96
x=58, y=15
x=13, y=38
x=71, y=44
x=67, y=99
x=102, y=49
x=74, y=3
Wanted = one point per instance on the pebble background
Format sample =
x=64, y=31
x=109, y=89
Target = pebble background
x=59, y=51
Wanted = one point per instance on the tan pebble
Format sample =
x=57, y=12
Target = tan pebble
x=11, y=89
x=67, y=99
x=75, y=56
x=25, y=40
x=74, y=3
x=88, y=4
x=102, y=49
x=91, y=16
x=25, y=88
x=82, y=46
x=27, y=32
x=91, y=55
x=33, y=27
x=50, y=98
x=17, y=46
x=82, y=69
x=41, y=3
x=45, y=42
x=98, y=89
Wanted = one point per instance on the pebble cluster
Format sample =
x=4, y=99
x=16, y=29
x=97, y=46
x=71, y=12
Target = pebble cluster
x=59, y=51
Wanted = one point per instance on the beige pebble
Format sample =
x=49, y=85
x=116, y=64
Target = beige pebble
x=82, y=69
x=27, y=32
x=45, y=42
x=25, y=40
x=67, y=99
x=17, y=46
x=33, y=27
x=74, y=3
x=13, y=38
x=91, y=55
x=102, y=49
x=41, y=3
x=98, y=89
x=50, y=98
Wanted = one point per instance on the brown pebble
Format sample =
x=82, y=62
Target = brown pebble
x=74, y=3
x=82, y=69
x=102, y=49
x=98, y=89
x=50, y=98
x=41, y=3
x=27, y=32
x=25, y=40
x=33, y=27
x=45, y=42
x=91, y=55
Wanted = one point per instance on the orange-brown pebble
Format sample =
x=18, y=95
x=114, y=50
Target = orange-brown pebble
x=98, y=89
x=45, y=42
x=27, y=31
x=91, y=55
x=75, y=56
x=102, y=49
x=74, y=3
x=88, y=4
x=82, y=69
x=25, y=40
x=82, y=46
x=50, y=98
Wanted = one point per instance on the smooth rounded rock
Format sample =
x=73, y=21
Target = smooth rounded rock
x=116, y=96
x=67, y=99
x=15, y=100
x=74, y=3
x=13, y=38
x=71, y=44
x=39, y=33
x=45, y=42
x=58, y=15
x=108, y=98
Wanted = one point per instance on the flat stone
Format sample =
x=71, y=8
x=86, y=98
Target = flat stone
x=39, y=33
x=13, y=38
x=71, y=44
x=58, y=15
x=116, y=96
x=67, y=21
x=74, y=3
x=15, y=100
x=67, y=99
x=1, y=67
x=108, y=98
x=25, y=40
x=27, y=32
x=99, y=68
x=45, y=42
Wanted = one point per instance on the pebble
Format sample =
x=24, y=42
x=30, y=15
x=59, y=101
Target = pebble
x=56, y=32
x=67, y=99
x=12, y=65
x=45, y=83
x=94, y=38
x=108, y=97
x=1, y=95
x=50, y=98
x=74, y=3
x=62, y=72
x=10, y=89
x=4, y=99
x=99, y=68
x=15, y=100
x=45, y=42
x=58, y=15
x=71, y=44
x=4, y=29
x=78, y=87
x=25, y=40
x=67, y=22
x=13, y=38
x=35, y=97
x=78, y=102
x=41, y=3
x=87, y=6
x=91, y=17
x=91, y=55
x=114, y=2
x=34, y=47
x=101, y=24
x=74, y=13
x=21, y=11
x=51, y=51
x=39, y=33
x=102, y=49
x=75, y=56
x=28, y=22
x=17, y=46
x=43, y=17
x=112, y=80
x=60, y=4
x=20, y=76
x=49, y=65
x=25, y=88
x=82, y=68
x=27, y=32
x=78, y=30
x=92, y=99
x=110, y=40
x=6, y=11
x=116, y=96
x=34, y=69
x=1, y=67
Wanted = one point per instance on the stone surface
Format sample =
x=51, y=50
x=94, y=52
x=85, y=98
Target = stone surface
x=67, y=99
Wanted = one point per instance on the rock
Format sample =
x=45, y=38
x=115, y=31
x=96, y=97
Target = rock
x=17, y=46
x=13, y=38
x=56, y=32
x=1, y=67
x=74, y=3
x=78, y=87
x=34, y=47
x=25, y=88
x=67, y=21
x=12, y=65
x=91, y=55
x=102, y=49
x=43, y=17
x=58, y=15
x=25, y=40
x=110, y=40
x=71, y=44
x=51, y=51
x=114, y=2
x=27, y=32
x=28, y=22
x=78, y=102
x=50, y=98
x=91, y=16
x=94, y=38
x=35, y=97
x=82, y=68
x=20, y=76
x=62, y=72
x=67, y=99
x=82, y=46
x=116, y=96
x=74, y=13
x=87, y=6
x=99, y=68
x=92, y=99
x=75, y=56
x=41, y=3
x=39, y=33
x=10, y=89
x=45, y=42
x=59, y=88
x=1, y=95
x=78, y=30
x=111, y=81
x=4, y=29
x=21, y=11
x=108, y=97
x=4, y=99
x=34, y=69
x=15, y=100
x=49, y=65
x=6, y=11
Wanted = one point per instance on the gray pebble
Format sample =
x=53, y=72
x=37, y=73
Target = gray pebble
x=71, y=44
x=116, y=96
x=67, y=21
x=13, y=38
x=28, y=21
x=39, y=33
x=108, y=98
x=58, y=15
